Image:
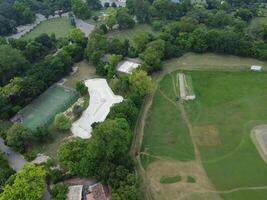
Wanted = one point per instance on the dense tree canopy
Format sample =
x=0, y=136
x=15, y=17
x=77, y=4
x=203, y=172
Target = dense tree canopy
x=29, y=183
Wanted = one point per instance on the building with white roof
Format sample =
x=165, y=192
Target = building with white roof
x=256, y=68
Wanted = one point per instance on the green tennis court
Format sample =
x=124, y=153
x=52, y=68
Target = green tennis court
x=43, y=109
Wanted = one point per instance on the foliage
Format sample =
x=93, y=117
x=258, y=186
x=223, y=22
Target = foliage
x=80, y=9
x=5, y=171
x=81, y=88
x=59, y=192
x=19, y=137
x=170, y=179
x=126, y=110
x=62, y=122
x=140, y=82
x=12, y=63
x=29, y=183
x=86, y=158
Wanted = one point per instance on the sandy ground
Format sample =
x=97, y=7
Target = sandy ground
x=101, y=100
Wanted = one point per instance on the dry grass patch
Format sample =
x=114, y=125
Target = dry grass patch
x=182, y=189
x=207, y=135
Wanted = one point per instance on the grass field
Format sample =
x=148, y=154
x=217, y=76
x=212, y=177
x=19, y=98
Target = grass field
x=59, y=26
x=43, y=109
x=227, y=107
x=231, y=103
x=130, y=33
x=166, y=134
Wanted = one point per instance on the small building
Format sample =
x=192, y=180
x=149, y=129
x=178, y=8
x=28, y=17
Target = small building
x=75, y=192
x=97, y=192
x=128, y=65
x=256, y=68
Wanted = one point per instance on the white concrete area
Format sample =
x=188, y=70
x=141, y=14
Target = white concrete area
x=101, y=99
x=127, y=66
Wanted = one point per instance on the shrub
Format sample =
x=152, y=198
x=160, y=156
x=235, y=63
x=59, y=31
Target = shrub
x=191, y=179
x=81, y=88
x=170, y=179
x=62, y=122
x=59, y=192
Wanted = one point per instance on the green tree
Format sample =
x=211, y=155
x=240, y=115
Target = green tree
x=81, y=88
x=126, y=110
x=59, y=192
x=12, y=63
x=29, y=183
x=62, y=122
x=140, y=82
x=19, y=137
x=77, y=36
x=124, y=19
x=80, y=9
x=113, y=60
x=5, y=171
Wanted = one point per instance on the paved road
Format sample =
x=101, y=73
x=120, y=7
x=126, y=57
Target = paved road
x=84, y=26
x=16, y=161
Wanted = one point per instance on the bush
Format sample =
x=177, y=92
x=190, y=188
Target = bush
x=59, y=192
x=62, y=122
x=170, y=179
x=190, y=179
x=19, y=137
x=81, y=88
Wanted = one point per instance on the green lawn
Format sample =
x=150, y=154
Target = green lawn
x=233, y=103
x=130, y=33
x=59, y=26
x=166, y=134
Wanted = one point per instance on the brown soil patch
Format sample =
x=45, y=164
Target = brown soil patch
x=182, y=189
x=207, y=135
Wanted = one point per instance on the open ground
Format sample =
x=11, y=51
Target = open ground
x=215, y=127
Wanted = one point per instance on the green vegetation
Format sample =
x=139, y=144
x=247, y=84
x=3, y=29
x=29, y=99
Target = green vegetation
x=59, y=26
x=191, y=179
x=60, y=192
x=5, y=171
x=130, y=33
x=62, y=122
x=170, y=179
x=43, y=110
x=232, y=103
x=166, y=134
x=28, y=183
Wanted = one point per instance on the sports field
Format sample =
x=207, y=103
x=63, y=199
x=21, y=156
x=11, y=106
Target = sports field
x=217, y=125
x=59, y=26
x=43, y=109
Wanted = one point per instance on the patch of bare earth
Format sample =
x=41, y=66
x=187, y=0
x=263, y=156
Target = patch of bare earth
x=207, y=135
x=182, y=189
x=259, y=138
